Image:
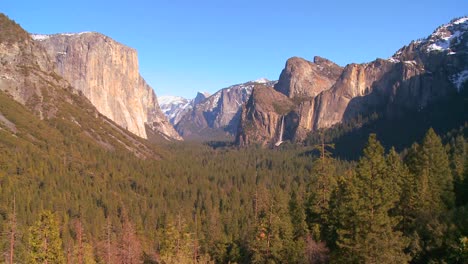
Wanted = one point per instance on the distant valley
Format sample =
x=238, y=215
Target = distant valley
x=210, y=117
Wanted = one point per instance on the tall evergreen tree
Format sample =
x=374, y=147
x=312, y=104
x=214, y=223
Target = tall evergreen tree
x=435, y=181
x=320, y=188
x=405, y=187
x=459, y=164
x=434, y=196
x=296, y=211
x=273, y=241
x=45, y=244
x=368, y=200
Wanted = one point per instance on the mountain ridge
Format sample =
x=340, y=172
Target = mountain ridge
x=325, y=94
x=214, y=117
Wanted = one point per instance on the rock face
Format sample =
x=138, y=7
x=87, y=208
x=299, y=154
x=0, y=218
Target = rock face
x=324, y=94
x=301, y=78
x=26, y=69
x=28, y=76
x=106, y=72
x=261, y=118
x=217, y=116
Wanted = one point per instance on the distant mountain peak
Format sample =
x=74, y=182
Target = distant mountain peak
x=170, y=99
x=201, y=96
x=262, y=80
x=206, y=94
x=446, y=38
x=447, y=35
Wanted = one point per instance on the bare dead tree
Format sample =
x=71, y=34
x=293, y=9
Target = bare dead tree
x=79, y=237
x=13, y=231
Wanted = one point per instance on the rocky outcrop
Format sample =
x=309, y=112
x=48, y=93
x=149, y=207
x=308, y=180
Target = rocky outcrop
x=356, y=81
x=262, y=116
x=106, y=72
x=301, y=78
x=325, y=94
x=26, y=71
x=200, y=98
x=218, y=115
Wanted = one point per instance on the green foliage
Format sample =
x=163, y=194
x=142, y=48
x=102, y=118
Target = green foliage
x=296, y=211
x=282, y=109
x=320, y=187
x=263, y=205
x=367, y=200
x=300, y=99
x=177, y=243
x=10, y=32
x=459, y=165
x=435, y=181
x=461, y=255
x=45, y=244
x=429, y=197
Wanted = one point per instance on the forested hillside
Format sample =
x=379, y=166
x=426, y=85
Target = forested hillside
x=252, y=205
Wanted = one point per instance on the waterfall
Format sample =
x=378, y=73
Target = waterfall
x=280, y=139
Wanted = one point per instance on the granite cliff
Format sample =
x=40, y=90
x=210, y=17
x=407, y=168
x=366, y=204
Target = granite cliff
x=324, y=94
x=39, y=106
x=106, y=72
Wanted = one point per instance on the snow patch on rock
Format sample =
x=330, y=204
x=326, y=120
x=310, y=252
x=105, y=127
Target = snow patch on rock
x=262, y=80
x=459, y=79
x=39, y=37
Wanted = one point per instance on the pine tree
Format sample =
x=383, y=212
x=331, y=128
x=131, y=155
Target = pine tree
x=435, y=181
x=176, y=243
x=342, y=221
x=45, y=244
x=433, y=197
x=395, y=171
x=459, y=164
x=405, y=187
x=273, y=241
x=368, y=231
x=296, y=211
x=319, y=191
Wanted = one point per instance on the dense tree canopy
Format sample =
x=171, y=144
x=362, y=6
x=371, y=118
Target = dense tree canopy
x=252, y=205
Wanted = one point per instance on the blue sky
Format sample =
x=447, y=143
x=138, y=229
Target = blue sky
x=189, y=46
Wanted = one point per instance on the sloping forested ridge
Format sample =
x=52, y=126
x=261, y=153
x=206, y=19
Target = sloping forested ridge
x=224, y=205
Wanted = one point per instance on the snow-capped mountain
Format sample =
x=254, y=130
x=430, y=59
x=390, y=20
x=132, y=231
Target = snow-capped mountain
x=447, y=42
x=172, y=106
x=447, y=36
x=219, y=113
